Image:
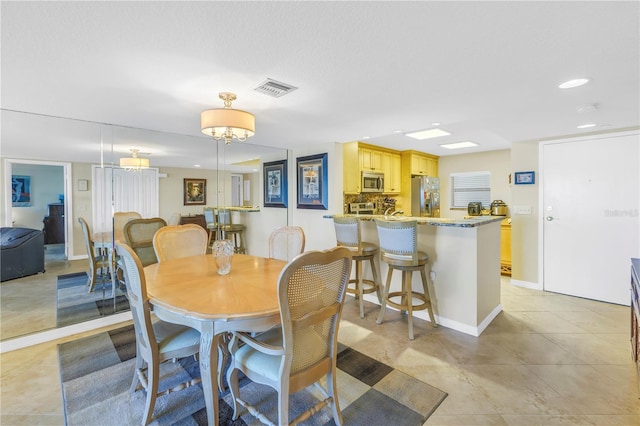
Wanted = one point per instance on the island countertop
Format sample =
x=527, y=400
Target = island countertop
x=472, y=222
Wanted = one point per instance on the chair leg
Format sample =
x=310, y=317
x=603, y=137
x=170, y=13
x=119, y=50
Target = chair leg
x=427, y=294
x=408, y=301
x=153, y=376
x=136, y=379
x=359, y=284
x=383, y=306
x=283, y=405
x=335, y=406
x=376, y=279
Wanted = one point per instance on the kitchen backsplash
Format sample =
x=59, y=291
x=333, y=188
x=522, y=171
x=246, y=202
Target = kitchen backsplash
x=381, y=202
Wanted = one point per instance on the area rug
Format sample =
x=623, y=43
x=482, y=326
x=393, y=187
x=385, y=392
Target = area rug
x=96, y=373
x=76, y=305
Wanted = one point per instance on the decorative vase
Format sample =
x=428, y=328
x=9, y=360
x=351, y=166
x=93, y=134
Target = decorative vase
x=222, y=251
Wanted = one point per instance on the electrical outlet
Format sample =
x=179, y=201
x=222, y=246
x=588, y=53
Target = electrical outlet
x=521, y=209
x=432, y=275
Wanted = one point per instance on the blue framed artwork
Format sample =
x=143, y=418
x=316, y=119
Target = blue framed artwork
x=312, y=182
x=275, y=184
x=20, y=191
x=525, y=178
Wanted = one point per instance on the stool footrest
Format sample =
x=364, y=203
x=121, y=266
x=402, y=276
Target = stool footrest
x=403, y=306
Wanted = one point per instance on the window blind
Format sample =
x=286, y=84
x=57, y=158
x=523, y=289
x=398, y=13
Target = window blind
x=468, y=187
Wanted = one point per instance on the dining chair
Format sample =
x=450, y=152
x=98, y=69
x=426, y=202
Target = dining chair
x=286, y=242
x=399, y=248
x=121, y=218
x=348, y=234
x=156, y=342
x=98, y=261
x=138, y=234
x=174, y=241
x=302, y=351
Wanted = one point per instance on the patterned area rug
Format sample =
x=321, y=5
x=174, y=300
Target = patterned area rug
x=76, y=305
x=96, y=373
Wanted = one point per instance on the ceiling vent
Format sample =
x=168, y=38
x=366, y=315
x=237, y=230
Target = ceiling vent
x=274, y=88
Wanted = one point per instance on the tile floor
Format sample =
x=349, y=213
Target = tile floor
x=548, y=359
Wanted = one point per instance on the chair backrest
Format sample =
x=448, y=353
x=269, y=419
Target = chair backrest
x=224, y=217
x=398, y=239
x=121, y=218
x=88, y=240
x=138, y=301
x=138, y=234
x=286, y=242
x=174, y=241
x=209, y=216
x=348, y=232
x=311, y=291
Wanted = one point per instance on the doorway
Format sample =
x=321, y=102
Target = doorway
x=50, y=184
x=590, y=215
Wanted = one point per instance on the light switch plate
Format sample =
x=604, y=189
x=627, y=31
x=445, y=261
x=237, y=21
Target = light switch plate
x=521, y=209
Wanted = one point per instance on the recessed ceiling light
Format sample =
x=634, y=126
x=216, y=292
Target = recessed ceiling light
x=366, y=137
x=435, y=123
x=458, y=145
x=196, y=165
x=397, y=131
x=573, y=83
x=586, y=126
x=427, y=134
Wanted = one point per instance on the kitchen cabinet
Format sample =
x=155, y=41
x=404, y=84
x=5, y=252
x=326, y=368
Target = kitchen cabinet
x=423, y=164
x=505, y=247
x=392, y=169
x=350, y=174
x=370, y=160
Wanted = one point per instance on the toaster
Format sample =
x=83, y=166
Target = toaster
x=474, y=208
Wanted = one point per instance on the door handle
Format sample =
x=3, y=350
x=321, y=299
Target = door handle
x=550, y=218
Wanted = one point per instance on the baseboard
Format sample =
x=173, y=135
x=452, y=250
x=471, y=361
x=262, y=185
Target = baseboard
x=57, y=333
x=527, y=284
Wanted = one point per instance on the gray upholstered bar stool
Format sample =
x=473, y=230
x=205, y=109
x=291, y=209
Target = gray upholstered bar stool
x=399, y=248
x=234, y=231
x=348, y=235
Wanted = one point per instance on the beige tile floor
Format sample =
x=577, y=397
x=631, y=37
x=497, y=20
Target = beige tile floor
x=548, y=359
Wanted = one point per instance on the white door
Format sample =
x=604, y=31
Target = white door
x=591, y=220
x=236, y=190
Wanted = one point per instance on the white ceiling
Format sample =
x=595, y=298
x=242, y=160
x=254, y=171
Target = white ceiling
x=487, y=71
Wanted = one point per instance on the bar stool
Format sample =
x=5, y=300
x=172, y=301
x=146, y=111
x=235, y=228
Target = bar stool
x=399, y=248
x=229, y=229
x=348, y=235
x=212, y=225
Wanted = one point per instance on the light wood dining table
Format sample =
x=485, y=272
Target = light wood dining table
x=189, y=291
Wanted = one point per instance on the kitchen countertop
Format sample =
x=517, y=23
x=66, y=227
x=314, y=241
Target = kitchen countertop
x=472, y=222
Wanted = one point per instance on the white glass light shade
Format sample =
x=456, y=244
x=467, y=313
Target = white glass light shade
x=226, y=123
x=134, y=163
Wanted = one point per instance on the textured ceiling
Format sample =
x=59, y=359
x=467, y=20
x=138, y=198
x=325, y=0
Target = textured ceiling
x=487, y=71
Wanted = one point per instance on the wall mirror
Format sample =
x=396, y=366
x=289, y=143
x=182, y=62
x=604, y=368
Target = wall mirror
x=74, y=170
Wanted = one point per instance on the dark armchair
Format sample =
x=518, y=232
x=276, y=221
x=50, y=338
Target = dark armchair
x=21, y=252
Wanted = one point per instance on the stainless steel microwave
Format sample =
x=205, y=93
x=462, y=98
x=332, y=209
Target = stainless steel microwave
x=372, y=182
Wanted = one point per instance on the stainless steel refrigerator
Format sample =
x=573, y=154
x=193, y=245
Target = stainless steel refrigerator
x=425, y=196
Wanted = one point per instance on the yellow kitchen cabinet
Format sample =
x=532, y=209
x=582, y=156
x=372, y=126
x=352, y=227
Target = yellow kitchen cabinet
x=423, y=164
x=370, y=160
x=392, y=169
x=505, y=247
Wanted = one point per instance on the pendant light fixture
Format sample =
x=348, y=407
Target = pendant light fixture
x=134, y=163
x=227, y=123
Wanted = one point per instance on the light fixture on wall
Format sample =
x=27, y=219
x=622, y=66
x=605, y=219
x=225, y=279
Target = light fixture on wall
x=228, y=123
x=134, y=163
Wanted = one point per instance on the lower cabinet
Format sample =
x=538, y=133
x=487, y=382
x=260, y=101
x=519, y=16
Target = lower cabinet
x=505, y=247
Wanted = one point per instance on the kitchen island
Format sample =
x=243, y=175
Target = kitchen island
x=465, y=268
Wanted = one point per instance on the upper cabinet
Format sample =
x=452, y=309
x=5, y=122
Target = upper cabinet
x=392, y=168
x=350, y=174
x=370, y=160
x=420, y=164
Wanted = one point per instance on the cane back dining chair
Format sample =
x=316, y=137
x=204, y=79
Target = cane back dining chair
x=286, y=242
x=121, y=218
x=399, y=248
x=174, y=241
x=348, y=235
x=98, y=260
x=138, y=234
x=156, y=342
x=303, y=349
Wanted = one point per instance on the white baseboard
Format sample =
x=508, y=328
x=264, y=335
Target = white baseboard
x=527, y=284
x=57, y=333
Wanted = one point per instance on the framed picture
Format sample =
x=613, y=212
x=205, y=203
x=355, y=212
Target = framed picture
x=20, y=191
x=312, y=182
x=195, y=192
x=275, y=184
x=525, y=178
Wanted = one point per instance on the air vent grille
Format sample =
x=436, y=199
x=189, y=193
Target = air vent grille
x=274, y=88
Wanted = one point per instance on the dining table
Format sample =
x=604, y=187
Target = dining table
x=189, y=291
